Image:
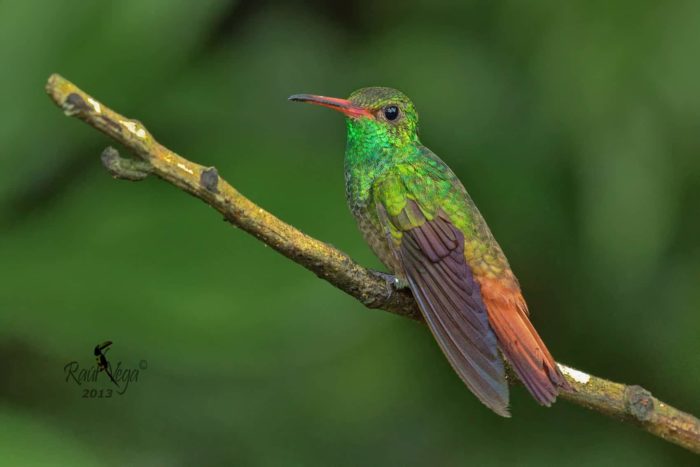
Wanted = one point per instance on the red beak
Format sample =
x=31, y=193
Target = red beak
x=341, y=105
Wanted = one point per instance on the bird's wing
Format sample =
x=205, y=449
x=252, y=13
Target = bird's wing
x=500, y=292
x=431, y=250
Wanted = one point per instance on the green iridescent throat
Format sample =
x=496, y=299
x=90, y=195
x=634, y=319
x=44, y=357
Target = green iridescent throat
x=373, y=146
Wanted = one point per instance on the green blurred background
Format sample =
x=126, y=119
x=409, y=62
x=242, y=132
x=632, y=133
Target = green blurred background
x=573, y=124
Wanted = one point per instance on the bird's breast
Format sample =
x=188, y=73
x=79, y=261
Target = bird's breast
x=373, y=233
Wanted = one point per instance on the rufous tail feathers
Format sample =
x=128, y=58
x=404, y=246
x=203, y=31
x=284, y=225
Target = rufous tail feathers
x=518, y=340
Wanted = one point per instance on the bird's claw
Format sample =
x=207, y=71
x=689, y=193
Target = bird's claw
x=396, y=282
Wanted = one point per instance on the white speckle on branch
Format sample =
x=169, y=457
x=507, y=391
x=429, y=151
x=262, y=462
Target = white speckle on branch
x=95, y=105
x=131, y=126
x=182, y=166
x=576, y=375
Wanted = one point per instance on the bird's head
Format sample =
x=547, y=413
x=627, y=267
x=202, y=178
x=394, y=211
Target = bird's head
x=375, y=116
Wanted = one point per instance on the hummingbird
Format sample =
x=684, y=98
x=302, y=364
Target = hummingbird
x=418, y=219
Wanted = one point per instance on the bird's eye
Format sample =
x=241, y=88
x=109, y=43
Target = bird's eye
x=391, y=112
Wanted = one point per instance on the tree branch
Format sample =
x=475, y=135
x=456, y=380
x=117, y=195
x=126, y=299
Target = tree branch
x=375, y=290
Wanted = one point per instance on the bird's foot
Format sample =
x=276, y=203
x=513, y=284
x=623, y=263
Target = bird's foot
x=393, y=285
x=396, y=282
